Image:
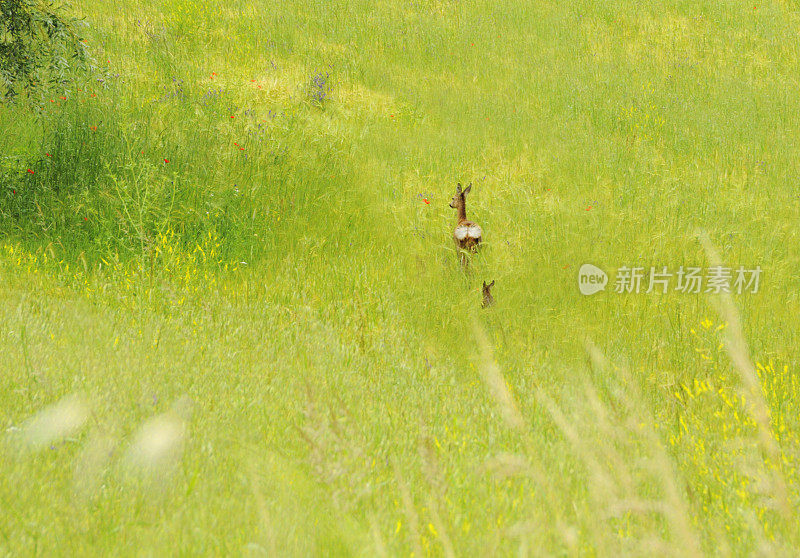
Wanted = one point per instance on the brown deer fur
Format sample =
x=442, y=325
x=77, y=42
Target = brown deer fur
x=488, y=299
x=467, y=234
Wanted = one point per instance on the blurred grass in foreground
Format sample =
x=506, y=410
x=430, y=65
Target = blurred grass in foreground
x=230, y=325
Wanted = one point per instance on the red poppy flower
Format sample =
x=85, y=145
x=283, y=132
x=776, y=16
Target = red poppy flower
x=47, y=155
x=426, y=201
x=166, y=160
x=63, y=98
x=30, y=171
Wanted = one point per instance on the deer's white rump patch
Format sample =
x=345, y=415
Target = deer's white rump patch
x=468, y=231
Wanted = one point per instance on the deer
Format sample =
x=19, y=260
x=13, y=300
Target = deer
x=488, y=299
x=467, y=234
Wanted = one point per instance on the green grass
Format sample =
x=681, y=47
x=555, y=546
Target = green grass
x=223, y=248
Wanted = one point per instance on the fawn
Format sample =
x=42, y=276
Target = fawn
x=467, y=234
x=488, y=299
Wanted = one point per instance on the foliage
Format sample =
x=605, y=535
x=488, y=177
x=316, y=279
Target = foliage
x=197, y=225
x=38, y=41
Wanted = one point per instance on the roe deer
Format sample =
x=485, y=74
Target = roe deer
x=467, y=234
x=488, y=299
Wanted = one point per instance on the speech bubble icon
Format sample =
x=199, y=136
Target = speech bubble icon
x=591, y=279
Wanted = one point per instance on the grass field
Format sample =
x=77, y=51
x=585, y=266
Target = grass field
x=232, y=319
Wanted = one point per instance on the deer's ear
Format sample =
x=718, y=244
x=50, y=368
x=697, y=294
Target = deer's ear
x=468, y=188
x=458, y=188
x=491, y=284
x=484, y=284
